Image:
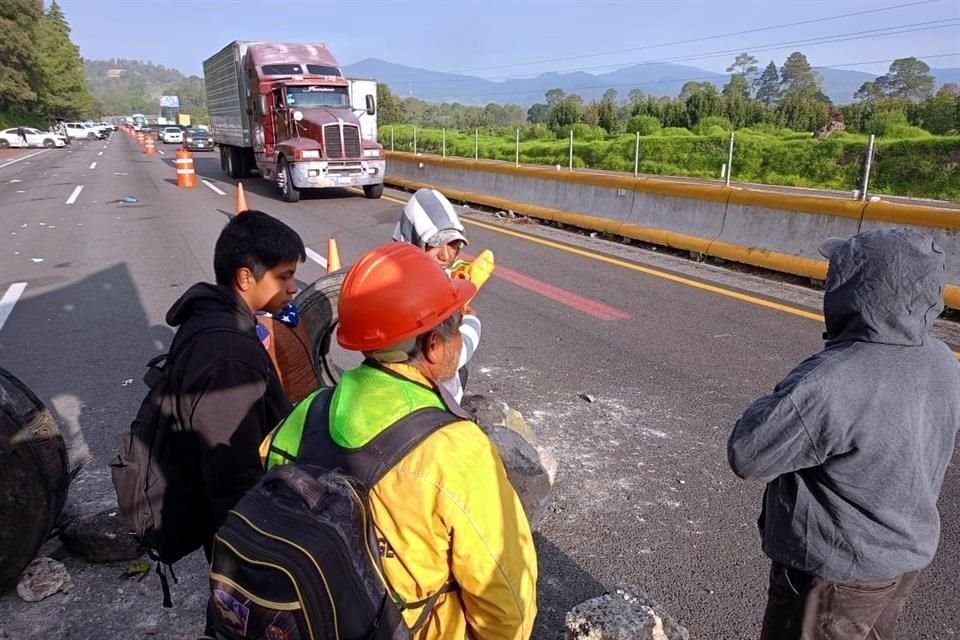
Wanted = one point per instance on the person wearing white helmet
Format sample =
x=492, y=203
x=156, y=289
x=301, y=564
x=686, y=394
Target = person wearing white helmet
x=430, y=222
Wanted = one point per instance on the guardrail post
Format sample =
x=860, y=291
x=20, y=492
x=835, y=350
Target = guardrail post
x=476, y=144
x=866, y=169
x=570, y=168
x=730, y=160
x=414, y=141
x=391, y=138
x=518, y=147
x=444, y=143
x=636, y=158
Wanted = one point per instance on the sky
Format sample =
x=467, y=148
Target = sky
x=498, y=40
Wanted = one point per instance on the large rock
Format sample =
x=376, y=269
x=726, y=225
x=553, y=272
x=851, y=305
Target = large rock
x=531, y=469
x=829, y=129
x=627, y=613
x=42, y=578
x=102, y=537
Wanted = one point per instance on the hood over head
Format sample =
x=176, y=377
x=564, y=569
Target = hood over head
x=883, y=286
x=429, y=220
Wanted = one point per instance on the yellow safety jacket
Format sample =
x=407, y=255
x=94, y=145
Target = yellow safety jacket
x=446, y=512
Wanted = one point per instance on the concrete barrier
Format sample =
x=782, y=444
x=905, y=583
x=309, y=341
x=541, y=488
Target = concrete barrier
x=776, y=231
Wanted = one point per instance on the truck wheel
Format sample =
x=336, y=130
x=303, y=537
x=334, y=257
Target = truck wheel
x=285, y=181
x=373, y=191
x=223, y=159
x=234, y=168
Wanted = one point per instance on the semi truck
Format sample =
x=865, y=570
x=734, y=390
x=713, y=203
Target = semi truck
x=287, y=111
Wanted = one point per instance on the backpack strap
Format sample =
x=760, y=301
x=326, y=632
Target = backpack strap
x=371, y=462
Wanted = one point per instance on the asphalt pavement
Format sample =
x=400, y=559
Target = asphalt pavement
x=632, y=366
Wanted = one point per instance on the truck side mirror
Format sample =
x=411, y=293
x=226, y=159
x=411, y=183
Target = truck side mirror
x=371, y=106
x=263, y=104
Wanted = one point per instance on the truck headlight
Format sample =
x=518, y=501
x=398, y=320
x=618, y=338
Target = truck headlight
x=309, y=154
x=371, y=153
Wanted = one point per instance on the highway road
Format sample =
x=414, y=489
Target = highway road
x=631, y=364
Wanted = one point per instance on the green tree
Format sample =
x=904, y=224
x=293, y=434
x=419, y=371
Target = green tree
x=538, y=113
x=389, y=108
x=868, y=92
x=908, y=78
x=644, y=125
x=940, y=114
x=797, y=76
x=591, y=114
x=565, y=110
x=18, y=67
x=768, y=86
x=803, y=111
x=608, y=118
x=702, y=101
x=743, y=70
x=62, y=88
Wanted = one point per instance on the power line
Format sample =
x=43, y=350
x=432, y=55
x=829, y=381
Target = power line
x=702, y=38
x=672, y=80
x=819, y=40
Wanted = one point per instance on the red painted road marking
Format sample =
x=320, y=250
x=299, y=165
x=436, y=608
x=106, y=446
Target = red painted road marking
x=572, y=300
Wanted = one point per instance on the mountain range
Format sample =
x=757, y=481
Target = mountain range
x=658, y=79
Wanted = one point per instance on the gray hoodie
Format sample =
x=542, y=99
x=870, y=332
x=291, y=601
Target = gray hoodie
x=855, y=441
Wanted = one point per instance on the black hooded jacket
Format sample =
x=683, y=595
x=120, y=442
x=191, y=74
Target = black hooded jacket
x=854, y=443
x=229, y=395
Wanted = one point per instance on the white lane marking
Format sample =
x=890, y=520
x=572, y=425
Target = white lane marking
x=316, y=257
x=100, y=154
x=93, y=165
x=9, y=299
x=7, y=164
x=76, y=194
x=214, y=188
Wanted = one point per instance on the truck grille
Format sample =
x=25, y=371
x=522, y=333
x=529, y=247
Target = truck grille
x=331, y=141
x=345, y=144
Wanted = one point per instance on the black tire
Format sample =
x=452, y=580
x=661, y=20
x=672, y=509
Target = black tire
x=373, y=191
x=48, y=143
x=288, y=192
x=91, y=136
x=234, y=170
x=223, y=159
x=4, y=143
x=317, y=304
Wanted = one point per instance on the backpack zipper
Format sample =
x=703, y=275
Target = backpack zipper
x=269, y=604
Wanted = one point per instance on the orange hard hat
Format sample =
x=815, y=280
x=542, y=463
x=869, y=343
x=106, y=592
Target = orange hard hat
x=393, y=293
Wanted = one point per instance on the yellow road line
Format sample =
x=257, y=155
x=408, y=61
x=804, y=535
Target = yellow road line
x=736, y=295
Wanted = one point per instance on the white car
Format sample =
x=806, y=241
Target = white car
x=81, y=131
x=35, y=138
x=171, y=135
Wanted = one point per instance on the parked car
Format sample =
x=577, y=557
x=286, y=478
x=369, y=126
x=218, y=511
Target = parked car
x=197, y=140
x=171, y=135
x=35, y=138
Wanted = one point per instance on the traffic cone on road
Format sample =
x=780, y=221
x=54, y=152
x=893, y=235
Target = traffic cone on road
x=241, y=199
x=333, y=256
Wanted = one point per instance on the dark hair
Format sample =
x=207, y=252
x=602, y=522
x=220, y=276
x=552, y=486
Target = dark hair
x=257, y=241
x=448, y=330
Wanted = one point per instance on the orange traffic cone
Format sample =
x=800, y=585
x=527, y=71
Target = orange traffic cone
x=241, y=199
x=333, y=256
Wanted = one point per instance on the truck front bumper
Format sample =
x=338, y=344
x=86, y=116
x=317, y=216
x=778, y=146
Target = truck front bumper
x=320, y=174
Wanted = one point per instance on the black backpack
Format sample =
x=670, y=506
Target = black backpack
x=299, y=557
x=157, y=497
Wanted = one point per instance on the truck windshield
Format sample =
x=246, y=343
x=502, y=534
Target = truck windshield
x=317, y=96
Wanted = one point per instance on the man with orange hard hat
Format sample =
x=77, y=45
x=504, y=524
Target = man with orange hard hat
x=447, y=518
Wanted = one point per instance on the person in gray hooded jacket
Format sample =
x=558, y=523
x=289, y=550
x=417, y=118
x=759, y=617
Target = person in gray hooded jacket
x=854, y=444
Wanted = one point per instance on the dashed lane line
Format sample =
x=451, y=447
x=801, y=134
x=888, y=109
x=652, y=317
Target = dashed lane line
x=9, y=299
x=316, y=257
x=75, y=194
x=214, y=188
x=93, y=165
x=100, y=153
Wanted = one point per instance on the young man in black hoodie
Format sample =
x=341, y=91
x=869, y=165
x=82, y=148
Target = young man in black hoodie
x=230, y=396
x=854, y=444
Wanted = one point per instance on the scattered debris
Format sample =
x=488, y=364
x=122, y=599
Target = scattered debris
x=102, y=537
x=127, y=382
x=36, y=259
x=52, y=226
x=24, y=225
x=128, y=200
x=42, y=578
x=138, y=568
x=586, y=397
x=15, y=181
x=625, y=614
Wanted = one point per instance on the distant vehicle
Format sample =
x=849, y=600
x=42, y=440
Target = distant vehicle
x=81, y=131
x=108, y=125
x=138, y=120
x=286, y=110
x=35, y=138
x=171, y=135
x=197, y=140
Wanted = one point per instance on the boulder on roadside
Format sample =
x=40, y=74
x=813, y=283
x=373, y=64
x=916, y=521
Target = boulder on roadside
x=626, y=613
x=42, y=578
x=102, y=537
x=829, y=129
x=531, y=469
